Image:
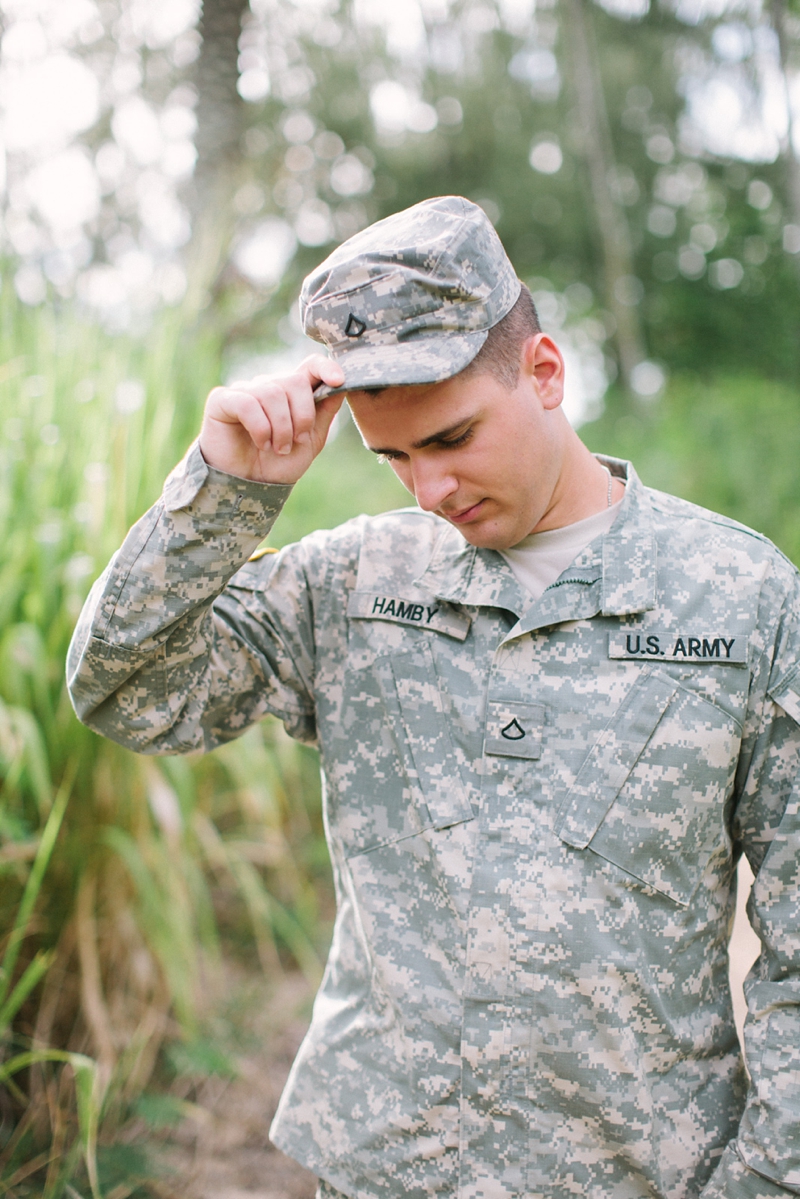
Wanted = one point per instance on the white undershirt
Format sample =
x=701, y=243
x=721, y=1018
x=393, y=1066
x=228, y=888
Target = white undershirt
x=539, y=559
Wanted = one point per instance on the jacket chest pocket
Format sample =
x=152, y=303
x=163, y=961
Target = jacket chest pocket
x=401, y=775
x=650, y=795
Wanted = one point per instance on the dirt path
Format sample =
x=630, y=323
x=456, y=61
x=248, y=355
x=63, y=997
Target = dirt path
x=226, y=1154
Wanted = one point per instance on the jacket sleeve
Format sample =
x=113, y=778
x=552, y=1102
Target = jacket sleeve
x=763, y=1161
x=154, y=663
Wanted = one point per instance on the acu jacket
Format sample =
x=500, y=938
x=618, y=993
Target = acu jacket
x=534, y=812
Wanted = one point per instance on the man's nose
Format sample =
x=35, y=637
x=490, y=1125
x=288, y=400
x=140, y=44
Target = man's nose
x=432, y=484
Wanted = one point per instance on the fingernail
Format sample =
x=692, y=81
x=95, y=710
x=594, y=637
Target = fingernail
x=303, y=438
x=284, y=449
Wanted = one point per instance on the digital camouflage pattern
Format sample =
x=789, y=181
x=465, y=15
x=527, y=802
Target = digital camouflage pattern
x=534, y=812
x=411, y=298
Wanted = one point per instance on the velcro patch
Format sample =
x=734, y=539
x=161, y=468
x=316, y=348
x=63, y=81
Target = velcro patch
x=514, y=730
x=714, y=649
x=423, y=613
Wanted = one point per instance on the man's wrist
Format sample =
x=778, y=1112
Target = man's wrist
x=215, y=496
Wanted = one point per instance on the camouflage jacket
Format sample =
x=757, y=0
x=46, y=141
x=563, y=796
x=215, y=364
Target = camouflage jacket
x=534, y=812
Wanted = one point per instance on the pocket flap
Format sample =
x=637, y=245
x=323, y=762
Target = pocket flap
x=410, y=686
x=612, y=758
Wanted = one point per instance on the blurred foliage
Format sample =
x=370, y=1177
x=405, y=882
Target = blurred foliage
x=320, y=159
x=731, y=444
x=354, y=109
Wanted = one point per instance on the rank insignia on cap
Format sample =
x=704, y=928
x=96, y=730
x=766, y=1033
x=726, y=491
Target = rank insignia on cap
x=354, y=327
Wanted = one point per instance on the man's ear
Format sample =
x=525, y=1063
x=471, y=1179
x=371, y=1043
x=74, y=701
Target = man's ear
x=542, y=363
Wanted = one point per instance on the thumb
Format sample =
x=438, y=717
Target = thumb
x=326, y=411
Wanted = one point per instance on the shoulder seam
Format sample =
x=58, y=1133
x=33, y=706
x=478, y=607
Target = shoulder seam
x=717, y=518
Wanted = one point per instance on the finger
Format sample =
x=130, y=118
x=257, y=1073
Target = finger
x=302, y=407
x=316, y=369
x=288, y=402
x=271, y=396
x=243, y=408
x=296, y=391
x=276, y=404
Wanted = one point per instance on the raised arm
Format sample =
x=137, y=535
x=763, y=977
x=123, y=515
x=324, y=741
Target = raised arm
x=151, y=665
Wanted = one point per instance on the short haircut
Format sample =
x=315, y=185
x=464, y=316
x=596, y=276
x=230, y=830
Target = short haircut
x=501, y=353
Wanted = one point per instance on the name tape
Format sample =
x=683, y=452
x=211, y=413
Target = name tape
x=425, y=613
x=713, y=650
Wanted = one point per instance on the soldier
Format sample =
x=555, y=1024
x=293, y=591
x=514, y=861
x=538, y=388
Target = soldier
x=553, y=708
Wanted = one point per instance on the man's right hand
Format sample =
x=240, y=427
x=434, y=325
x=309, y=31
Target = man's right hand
x=271, y=429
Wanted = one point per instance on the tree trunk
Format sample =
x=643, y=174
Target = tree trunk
x=220, y=116
x=777, y=11
x=599, y=155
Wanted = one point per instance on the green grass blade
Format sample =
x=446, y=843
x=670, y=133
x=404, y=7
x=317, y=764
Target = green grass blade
x=33, y=884
x=86, y=1090
x=34, y=971
x=269, y=916
x=166, y=920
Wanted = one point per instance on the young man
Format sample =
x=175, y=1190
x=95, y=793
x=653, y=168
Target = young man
x=553, y=707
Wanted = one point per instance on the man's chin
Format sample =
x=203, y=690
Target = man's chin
x=490, y=538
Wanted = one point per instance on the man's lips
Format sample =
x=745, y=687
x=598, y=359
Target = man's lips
x=465, y=514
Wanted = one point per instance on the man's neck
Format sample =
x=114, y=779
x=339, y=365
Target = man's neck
x=582, y=488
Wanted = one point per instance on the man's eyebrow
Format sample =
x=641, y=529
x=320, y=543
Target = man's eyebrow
x=439, y=435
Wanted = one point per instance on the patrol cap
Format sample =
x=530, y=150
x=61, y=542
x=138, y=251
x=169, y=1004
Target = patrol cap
x=410, y=299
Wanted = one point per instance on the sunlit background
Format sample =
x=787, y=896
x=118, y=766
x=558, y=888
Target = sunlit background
x=105, y=174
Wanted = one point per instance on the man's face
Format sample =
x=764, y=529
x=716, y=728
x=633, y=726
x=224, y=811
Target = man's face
x=483, y=457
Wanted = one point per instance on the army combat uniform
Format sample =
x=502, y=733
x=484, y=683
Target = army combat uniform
x=534, y=811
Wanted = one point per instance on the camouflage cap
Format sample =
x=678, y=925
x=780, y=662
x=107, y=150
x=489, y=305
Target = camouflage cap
x=410, y=299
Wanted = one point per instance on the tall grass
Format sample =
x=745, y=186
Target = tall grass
x=112, y=930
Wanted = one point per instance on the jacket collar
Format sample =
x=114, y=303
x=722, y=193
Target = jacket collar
x=615, y=575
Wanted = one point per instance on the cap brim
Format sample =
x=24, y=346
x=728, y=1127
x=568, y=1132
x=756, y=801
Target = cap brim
x=426, y=359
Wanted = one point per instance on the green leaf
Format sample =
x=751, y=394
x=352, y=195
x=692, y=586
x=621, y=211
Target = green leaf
x=200, y=1058
x=161, y=1111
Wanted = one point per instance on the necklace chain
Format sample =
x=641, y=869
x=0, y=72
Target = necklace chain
x=610, y=484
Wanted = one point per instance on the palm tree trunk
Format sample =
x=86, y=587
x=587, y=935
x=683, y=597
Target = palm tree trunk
x=220, y=109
